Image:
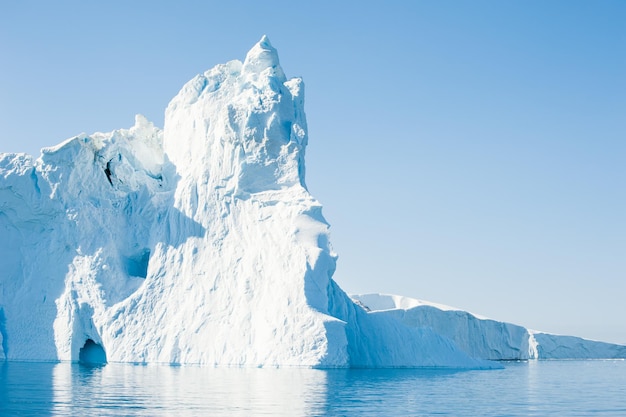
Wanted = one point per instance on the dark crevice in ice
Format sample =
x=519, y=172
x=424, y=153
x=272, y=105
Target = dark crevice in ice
x=107, y=171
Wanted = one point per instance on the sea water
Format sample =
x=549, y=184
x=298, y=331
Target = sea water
x=533, y=388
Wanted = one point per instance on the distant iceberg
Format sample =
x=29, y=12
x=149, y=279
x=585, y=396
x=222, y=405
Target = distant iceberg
x=200, y=244
x=484, y=338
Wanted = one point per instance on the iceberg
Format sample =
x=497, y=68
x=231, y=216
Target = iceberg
x=482, y=337
x=199, y=243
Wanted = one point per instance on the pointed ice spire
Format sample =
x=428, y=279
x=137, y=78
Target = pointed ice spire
x=261, y=57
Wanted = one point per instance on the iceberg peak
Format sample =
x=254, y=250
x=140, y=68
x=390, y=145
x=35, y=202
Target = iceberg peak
x=262, y=57
x=240, y=125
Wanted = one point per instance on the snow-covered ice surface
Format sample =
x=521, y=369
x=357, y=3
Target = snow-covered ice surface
x=200, y=244
x=482, y=337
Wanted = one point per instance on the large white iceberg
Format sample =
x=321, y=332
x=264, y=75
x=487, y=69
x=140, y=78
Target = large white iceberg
x=200, y=244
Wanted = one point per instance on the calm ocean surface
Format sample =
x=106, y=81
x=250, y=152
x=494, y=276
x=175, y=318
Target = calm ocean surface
x=546, y=388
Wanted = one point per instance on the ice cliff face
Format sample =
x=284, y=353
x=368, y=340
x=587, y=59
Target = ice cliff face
x=199, y=243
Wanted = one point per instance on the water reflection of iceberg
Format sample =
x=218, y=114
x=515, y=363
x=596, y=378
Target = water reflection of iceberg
x=121, y=389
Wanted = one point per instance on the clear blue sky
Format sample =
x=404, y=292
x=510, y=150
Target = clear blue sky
x=468, y=153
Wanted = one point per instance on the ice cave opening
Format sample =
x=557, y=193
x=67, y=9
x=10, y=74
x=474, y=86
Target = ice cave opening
x=92, y=354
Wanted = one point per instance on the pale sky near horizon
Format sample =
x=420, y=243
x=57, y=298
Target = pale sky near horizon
x=466, y=153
